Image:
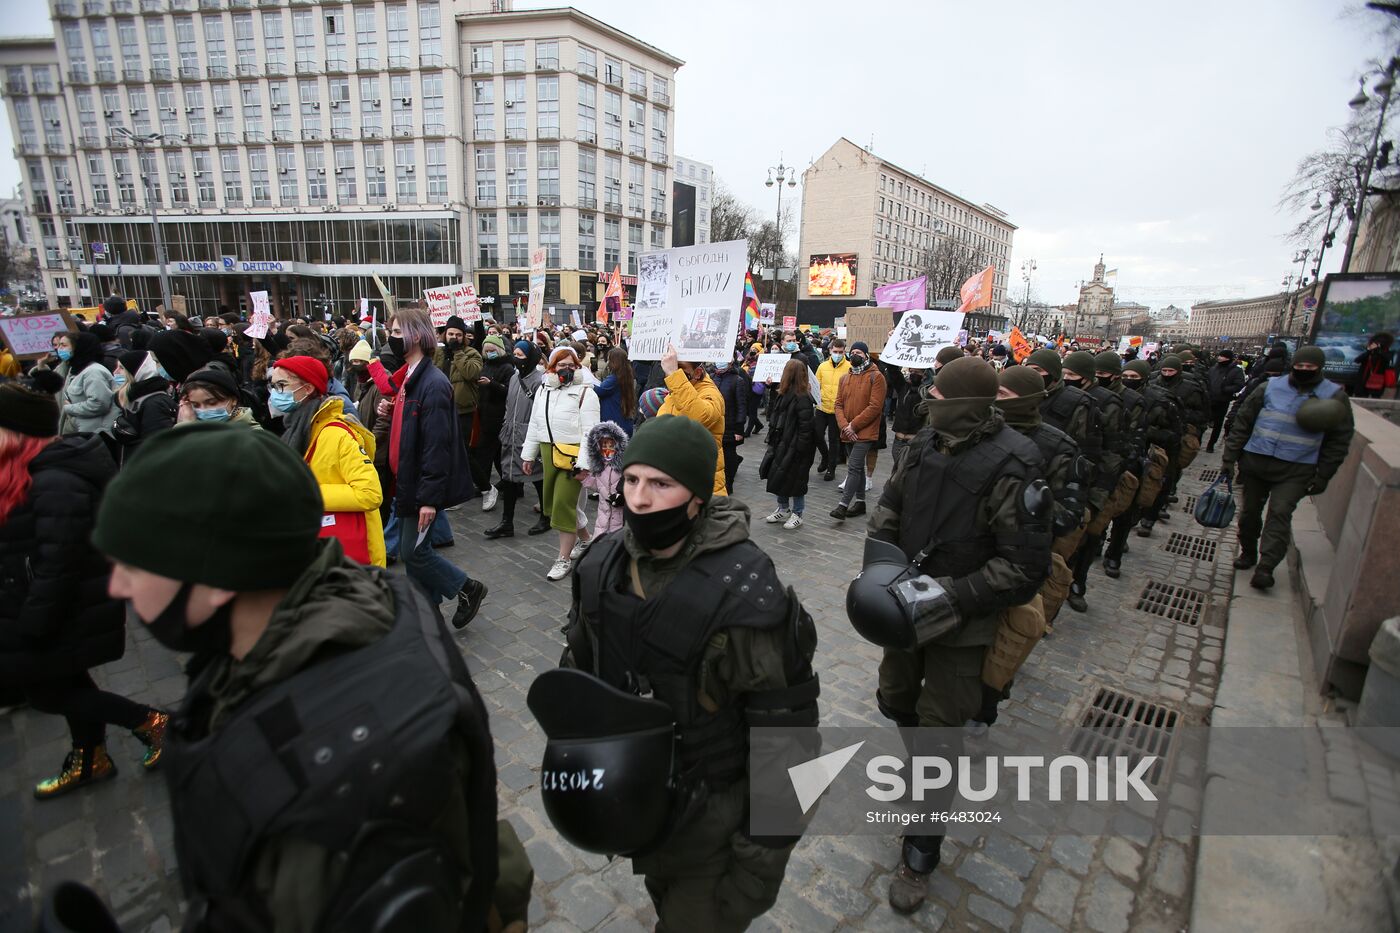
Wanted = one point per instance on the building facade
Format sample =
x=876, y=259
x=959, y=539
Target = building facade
x=1243, y=321
x=14, y=228
x=868, y=222
x=300, y=147
x=1092, y=314
x=1129, y=319
x=1171, y=324
x=694, y=184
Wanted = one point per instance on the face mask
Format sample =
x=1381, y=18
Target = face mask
x=1305, y=378
x=658, y=530
x=454, y=344
x=607, y=449
x=522, y=365
x=171, y=628
x=1131, y=383
x=1223, y=362
x=282, y=400
x=491, y=355
x=790, y=346
x=213, y=414
x=566, y=376
x=1171, y=380
x=721, y=367
x=838, y=357
x=396, y=345
x=163, y=374
x=858, y=360
x=65, y=355
x=118, y=380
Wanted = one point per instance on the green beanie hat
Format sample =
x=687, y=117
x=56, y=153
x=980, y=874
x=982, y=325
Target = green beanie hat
x=494, y=341
x=1140, y=367
x=1081, y=363
x=969, y=377
x=1048, y=360
x=678, y=446
x=1108, y=362
x=1022, y=380
x=259, y=533
x=948, y=354
x=1170, y=361
x=1310, y=354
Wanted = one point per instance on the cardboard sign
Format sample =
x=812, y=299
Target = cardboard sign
x=770, y=366
x=767, y=313
x=573, y=316
x=179, y=303
x=535, y=310
x=651, y=332
x=789, y=322
x=919, y=336
x=30, y=336
x=703, y=288
x=262, y=316
x=448, y=300
x=871, y=325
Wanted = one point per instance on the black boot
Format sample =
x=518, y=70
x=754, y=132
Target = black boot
x=1248, y=558
x=909, y=886
x=468, y=603
x=1263, y=578
x=1111, y=568
x=539, y=527
x=505, y=529
x=1076, y=599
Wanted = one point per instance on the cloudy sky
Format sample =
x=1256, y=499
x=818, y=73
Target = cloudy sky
x=1158, y=134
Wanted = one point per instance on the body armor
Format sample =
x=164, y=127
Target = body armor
x=1163, y=410
x=1071, y=498
x=1134, y=421
x=1116, y=442
x=1277, y=432
x=1058, y=410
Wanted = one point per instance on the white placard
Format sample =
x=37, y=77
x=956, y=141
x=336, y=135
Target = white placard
x=769, y=367
x=651, y=332
x=919, y=336
x=364, y=308
x=698, y=291
x=767, y=313
x=460, y=300
x=262, y=316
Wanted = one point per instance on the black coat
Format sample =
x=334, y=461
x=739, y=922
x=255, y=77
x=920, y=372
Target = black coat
x=792, y=445
x=491, y=400
x=432, y=463
x=733, y=385
x=1223, y=382
x=55, y=616
x=150, y=408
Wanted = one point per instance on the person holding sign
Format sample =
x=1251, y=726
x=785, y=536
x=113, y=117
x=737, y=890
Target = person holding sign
x=694, y=395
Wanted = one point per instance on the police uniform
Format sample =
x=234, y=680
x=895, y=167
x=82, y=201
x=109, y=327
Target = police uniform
x=1112, y=459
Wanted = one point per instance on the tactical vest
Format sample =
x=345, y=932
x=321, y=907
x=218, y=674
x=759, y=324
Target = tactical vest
x=1167, y=436
x=1115, y=434
x=1059, y=409
x=656, y=644
x=1276, y=431
x=354, y=754
x=940, y=523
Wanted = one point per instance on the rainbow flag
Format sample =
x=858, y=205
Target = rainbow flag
x=750, y=303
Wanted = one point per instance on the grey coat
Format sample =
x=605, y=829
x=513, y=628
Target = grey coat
x=88, y=400
x=520, y=400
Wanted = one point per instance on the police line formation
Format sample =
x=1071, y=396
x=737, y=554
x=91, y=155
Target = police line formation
x=310, y=791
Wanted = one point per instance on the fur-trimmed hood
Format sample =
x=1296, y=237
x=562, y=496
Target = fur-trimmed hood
x=605, y=429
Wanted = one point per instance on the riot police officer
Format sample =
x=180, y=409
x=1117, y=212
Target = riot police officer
x=969, y=513
x=311, y=791
x=1194, y=408
x=682, y=604
x=1079, y=372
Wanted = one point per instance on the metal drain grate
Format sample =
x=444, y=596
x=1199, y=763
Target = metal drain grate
x=1190, y=546
x=1178, y=603
x=1190, y=505
x=1210, y=476
x=1119, y=724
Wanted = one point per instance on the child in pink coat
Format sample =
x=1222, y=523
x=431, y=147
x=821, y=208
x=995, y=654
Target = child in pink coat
x=606, y=442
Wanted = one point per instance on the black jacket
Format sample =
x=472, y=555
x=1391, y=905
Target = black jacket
x=1223, y=382
x=491, y=400
x=734, y=387
x=432, y=463
x=792, y=446
x=56, y=618
x=907, y=397
x=149, y=408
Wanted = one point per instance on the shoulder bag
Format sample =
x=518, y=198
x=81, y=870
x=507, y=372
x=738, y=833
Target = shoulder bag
x=565, y=456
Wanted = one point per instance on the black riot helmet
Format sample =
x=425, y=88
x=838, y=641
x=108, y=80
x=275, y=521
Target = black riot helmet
x=606, y=780
x=893, y=604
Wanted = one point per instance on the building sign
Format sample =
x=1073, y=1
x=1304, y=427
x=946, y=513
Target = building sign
x=228, y=265
x=99, y=249
x=629, y=281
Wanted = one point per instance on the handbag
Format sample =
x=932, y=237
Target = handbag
x=565, y=456
x=1215, y=508
x=349, y=528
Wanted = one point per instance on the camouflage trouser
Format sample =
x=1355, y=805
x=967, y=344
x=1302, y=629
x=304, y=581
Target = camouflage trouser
x=1281, y=484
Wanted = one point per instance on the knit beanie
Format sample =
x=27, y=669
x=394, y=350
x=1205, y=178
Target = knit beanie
x=180, y=352
x=113, y=305
x=212, y=539
x=308, y=369
x=1187, y=356
x=969, y=377
x=523, y=346
x=131, y=361
x=1227, y=353
x=1170, y=361
x=650, y=401
x=1108, y=362
x=361, y=352
x=494, y=341
x=214, y=377
x=861, y=346
x=1081, y=363
x=1048, y=360
x=998, y=350
x=27, y=412
x=1309, y=355
x=455, y=322
x=948, y=354
x=1022, y=380
x=1141, y=367
x=678, y=446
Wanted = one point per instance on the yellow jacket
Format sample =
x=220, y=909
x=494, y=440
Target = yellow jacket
x=343, y=465
x=699, y=402
x=829, y=378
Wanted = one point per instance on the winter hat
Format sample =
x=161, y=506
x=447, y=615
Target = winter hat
x=308, y=369
x=1081, y=363
x=101, y=331
x=494, y=341
x=1170, y=361
x=558, y=355
x=113, y=305
x=1187, y=356
x=861, y=346
x=1108, y=362
x=216, y=378
x=132, y=360
x=34, y=414
x=1309, y=354
x=1140, y=367
x=679, y=447
x=968, y=377
x=1276, y=351
x=1228, y=354
x=217, y=339
x=651, y=401
x=998, y=350
x=456, y=322
x=948, y=354
x=361, y=352
x=210, y=539
x=180, y=352
x=1048, y=360
x=1022, y=380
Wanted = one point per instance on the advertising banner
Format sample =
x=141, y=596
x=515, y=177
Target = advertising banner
x=919, y=336
x=831, y=274
x=1354, y=307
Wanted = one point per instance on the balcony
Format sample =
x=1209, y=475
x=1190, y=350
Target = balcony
x=94, y=8
x=106, y=75
x=636, y=151
x=659, y=157
x=90, y=141
x=254, y=136
x=283, y=136
x=341, y=132
x=225, y=139
x=485, y=202
x=55, y=148
x=123, y=6
x=547, y=132
x=311, y=132
x=514, y=66
x=247, y=69
x=210, y=5
x=43, y=84
x=16, y=87
x=661, y=97
x=366, y=63
x=614, y=144
x=613, y=80
x=637, y=90
x=217, y=72
x=65, y=9
x=586, y=70
x=400, y=63
x=161, y=73
x=517, y=202
x=658, y=217
x=240, y=4
x=181, y=6
x=274, y=69
x=432, y=60
x=372, y=132
x=546, y=64
x=337, y=66
x=78, y=75
x=484, y=135
x=435, y=129
x=403, y=131
x=515, y=132
x=306, y=68
x=133, y=74
x=483, y=68
x=548, y=200
x=587, y=138
x=635, y=210
x=189, y=72
x=152, y=6
x=588, y=204
x=612, y=207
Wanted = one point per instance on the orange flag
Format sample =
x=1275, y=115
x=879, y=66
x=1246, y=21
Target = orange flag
x=1020, y=346
x=977, y=291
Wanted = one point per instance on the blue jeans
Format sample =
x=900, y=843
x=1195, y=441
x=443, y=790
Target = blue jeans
x=437, y=577
x=798, y=503
x=855, y=472
x=440, y=535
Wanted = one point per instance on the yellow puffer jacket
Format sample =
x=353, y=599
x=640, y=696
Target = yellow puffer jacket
x=343, y=464
x=829, y=378
x=699, y=401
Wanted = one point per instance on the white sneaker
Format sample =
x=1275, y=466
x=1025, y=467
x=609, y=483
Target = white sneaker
x=841, y=485
x=488, y=501
x=779, y=515
x=579, y=547
x=869, y=484
x=794, y=522
x=560, y=570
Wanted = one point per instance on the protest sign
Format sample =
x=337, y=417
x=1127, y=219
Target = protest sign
x=919, y=336
x=623, y=314
x=651, y=332
x=962, y=338
x=448, y=300
x=1149, y=348
x=703, y=304
x=364, y=308
x=1125, y=342
x=1020, y=346
x=903, y=296
x=573, y=316
x=767, y=313
x=30, y=336
x=262, y=316
x=871, y=325
x=789, y=322
x=769, y=367
x=534, y=312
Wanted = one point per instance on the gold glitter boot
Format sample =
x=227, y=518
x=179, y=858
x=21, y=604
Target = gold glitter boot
x=152, y=735
x=81, y=766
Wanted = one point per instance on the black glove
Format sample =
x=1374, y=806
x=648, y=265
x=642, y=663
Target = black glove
x=1316, y=485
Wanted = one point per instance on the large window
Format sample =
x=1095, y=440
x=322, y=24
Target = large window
x=612, y=243
x=484, y=109
x=345, y=188
x=167, y=99
x=486, y=176
x=140, y=110
x=634, y=246
x=304, y=40
x=401, y=100
x=369, y=104
x=252, y=110
x=187, y=47
x=549, y=238
x=487, y=242
x=233, y=176
x=587, y=62
x=587, y=112
x=258, y=181
x=316, y=174
x=310, y=95
x=514, y=57
x=516, y=109
x=587, y=179
x=175, y=171
x=658, y=190
x=587, y=242
x=547, y=54
x=517, y=184
x=612, y=183
x=396, y=29
x=203, y=176
x=131, y=48
x=102, y=50
x=547, y=174
x=547, y=105
x=430, y=34
x=366, y=37
x=612, y=119
x=274, y=41
x=405, y=167
x=376, y=176
x=436, y=160
x=215, y=53
x=244, y=45
x=483, y=58
x=433, y=110
x=518, y=238
x=287, y=175
x=73, y=44
x=336, y=28
x=636, y=181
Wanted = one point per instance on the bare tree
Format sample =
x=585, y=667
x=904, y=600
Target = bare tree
x=730, y=218
x=948, y=263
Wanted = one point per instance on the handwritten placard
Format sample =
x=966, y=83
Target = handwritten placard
x=871, y=325
x=262, y=316
x=448, y=300
x=919, y=336
x=769, y=367
x=695, y=295
x=29, y=336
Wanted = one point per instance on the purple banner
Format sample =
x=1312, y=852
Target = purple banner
x=903, y=296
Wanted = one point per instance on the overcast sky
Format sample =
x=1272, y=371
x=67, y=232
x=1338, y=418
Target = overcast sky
x=1160, y=134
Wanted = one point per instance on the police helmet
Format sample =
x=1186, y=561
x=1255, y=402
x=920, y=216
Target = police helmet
x=606, y=780
x=893, y=604
x=1321, y=414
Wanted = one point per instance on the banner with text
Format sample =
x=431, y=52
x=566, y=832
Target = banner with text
x=919, y=336
x=534, y=311
x=460, y=300
x=691, y=296
x=262, y=316
x=869, y=325
x=769, y=367
x=903, y=296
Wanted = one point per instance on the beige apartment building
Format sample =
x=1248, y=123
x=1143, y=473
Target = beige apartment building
x=863, y=213
x=299, y=147
x=1244, y=321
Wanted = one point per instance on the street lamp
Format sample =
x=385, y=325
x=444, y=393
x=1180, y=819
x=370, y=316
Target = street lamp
x=1027, y=270
x=1381, y=89
x=777, y=175
x=141, y=142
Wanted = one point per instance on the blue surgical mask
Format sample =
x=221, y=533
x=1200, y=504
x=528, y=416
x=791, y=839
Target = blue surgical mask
x=721, y=367
x=65, y=355
x=118, y=380
x=213, y=414
x=163, y=374
x=493, y=356
x=282, y=400
x=790, y=346
x=837, y=358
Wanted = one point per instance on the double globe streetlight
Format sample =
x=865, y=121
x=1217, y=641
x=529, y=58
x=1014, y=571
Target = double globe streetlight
x=778, y=175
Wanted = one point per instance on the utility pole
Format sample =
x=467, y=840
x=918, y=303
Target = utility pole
x=1027, y=270
x=777, y=175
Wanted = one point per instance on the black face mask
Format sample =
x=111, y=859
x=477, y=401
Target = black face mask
x=396, y=346
x=171, y=628
x=454, y=345
x=1135, y=384
x=658, y=530
x=1306, y=378
x=522, y=366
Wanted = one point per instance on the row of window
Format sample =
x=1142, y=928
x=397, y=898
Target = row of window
x=923, y=203
x=513, y=58
x=518, y=244
x=214, y=41
x=510, y=181
x=515, y=107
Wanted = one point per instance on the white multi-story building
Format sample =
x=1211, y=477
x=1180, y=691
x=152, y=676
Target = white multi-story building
x=700, y=178
x=14, y=227
x=301, y=146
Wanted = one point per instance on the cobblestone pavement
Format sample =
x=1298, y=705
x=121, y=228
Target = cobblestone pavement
x=1130, y=875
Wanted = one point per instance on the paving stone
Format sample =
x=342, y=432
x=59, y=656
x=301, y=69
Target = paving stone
x=1011, y=855
x=584, y=902
x=1055, y=896
x=991, y=879
x=999, y=917
x=1120, y=857
x=1035, y=923
x=1073, y=852
x=1109, y=907
x=1169, y=874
